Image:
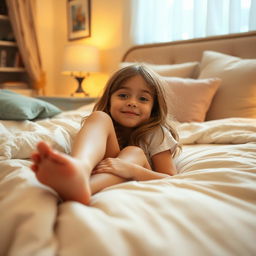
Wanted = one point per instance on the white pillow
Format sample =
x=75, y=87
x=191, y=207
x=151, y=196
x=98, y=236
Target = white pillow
x=236, y=97
x=184, y=70
x=189, y=99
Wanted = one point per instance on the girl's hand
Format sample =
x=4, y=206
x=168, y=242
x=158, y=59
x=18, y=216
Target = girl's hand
x=115, y=166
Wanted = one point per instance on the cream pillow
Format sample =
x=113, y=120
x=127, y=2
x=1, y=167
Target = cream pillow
x=189, y=99
x=236, y=96
x=185, y=70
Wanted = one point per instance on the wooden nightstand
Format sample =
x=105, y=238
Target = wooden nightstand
x=68, y=103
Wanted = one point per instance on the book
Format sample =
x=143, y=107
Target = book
x=18, y=60
x=3, y=58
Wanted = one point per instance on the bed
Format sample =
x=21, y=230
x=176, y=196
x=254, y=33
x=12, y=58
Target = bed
x=208, y=208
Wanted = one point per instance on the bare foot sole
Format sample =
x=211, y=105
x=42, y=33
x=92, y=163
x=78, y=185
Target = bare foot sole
x=66, y=175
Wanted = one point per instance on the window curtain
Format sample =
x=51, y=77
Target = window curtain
x=169, y=20
x=22, y=17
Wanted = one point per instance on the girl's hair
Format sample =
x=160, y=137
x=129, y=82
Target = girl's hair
x=159, y=110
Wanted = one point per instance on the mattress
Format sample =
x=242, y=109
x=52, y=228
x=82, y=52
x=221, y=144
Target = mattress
x=208, y=208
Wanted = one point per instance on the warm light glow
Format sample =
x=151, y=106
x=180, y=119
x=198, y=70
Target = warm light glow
x=80, y=60
x=96, y=83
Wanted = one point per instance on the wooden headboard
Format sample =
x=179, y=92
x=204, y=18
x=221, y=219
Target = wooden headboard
x=241, y=45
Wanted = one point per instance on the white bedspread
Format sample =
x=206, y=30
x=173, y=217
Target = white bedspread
x=208, y=208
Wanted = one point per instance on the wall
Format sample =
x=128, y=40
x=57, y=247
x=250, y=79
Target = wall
x=110, y=22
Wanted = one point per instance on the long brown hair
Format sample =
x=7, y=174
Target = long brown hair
x=159, y=111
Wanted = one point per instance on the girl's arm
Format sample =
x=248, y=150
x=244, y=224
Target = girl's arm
x=129, y=170
x=163, y=166
x=163, y=163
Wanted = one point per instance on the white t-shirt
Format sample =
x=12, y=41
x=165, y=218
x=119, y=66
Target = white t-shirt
x=156, y=143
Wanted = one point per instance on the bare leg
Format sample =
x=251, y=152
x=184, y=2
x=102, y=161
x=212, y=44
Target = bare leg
x=70, y=176
x=96, y=140
x=134, y=155
x=103, y=180
x=111, y=148
x=130, y=154
x=62, y=173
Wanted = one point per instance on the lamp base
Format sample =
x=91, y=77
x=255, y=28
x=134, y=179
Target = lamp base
x=80, y=88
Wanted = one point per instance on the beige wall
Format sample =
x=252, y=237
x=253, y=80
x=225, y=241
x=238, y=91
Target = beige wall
x=110, y=23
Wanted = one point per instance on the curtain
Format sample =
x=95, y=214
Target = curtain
x=22, y=17
x=169, y=20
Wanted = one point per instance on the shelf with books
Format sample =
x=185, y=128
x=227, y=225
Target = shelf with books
x=6, y=32
x=11, y=61
x=12, y=69
x=10, y=75
x=4, y=17
x=8, y=43
x=17, y=87
x=11, y=64
x=14, y=85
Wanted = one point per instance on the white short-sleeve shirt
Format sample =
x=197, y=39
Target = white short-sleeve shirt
x=156, y=143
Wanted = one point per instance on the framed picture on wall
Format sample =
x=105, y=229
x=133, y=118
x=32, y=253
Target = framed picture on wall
x=79, y=19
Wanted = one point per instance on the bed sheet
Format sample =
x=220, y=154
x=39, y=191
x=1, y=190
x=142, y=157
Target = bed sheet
x=208, y=208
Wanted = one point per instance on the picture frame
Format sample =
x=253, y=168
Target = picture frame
x=79, y=19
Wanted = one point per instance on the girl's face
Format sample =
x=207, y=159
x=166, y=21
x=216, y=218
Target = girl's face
x=132, y=103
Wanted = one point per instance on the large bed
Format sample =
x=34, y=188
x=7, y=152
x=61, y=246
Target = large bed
x=208, y=208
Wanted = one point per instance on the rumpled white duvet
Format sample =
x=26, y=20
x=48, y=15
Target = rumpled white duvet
x=208, y=208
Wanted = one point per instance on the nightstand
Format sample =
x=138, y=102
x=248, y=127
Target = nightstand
x=68, y=103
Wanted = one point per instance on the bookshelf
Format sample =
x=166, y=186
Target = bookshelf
x=13, y=74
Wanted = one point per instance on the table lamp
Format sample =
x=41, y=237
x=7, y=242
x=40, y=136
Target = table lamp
x=79, y=61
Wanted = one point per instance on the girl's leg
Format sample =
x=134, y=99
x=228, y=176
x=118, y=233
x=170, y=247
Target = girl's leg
x=134, y=155
x=70, y=176
x=109, y=149
x=130, y=154
x=103, y=180
x=96, y=140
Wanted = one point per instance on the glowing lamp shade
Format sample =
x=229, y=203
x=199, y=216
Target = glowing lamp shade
x=79, y=61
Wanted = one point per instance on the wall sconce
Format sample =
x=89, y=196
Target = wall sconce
x=79, y=61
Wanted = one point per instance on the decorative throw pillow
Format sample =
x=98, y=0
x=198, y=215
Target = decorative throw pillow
x=189, y=99
x=236, y=96
x=18, y=107
x=184, y=70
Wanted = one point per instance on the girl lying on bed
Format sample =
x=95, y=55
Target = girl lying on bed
x=127, y=137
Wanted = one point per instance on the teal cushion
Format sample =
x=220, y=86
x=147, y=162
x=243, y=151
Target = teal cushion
x=14, y=106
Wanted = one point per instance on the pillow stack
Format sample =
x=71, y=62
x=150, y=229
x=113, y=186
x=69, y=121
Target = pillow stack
x=184, y=70
x=187, y=99
x=236, y=96
x=225, y=87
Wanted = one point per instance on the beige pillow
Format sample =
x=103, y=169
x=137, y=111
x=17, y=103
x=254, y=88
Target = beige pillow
x=189, y=99
x=185, y=70
x=236, y=96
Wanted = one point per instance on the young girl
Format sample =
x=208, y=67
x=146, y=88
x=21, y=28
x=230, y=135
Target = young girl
x=127, y=137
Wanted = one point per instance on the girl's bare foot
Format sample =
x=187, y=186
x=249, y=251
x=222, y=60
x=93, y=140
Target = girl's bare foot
x=68, y=176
